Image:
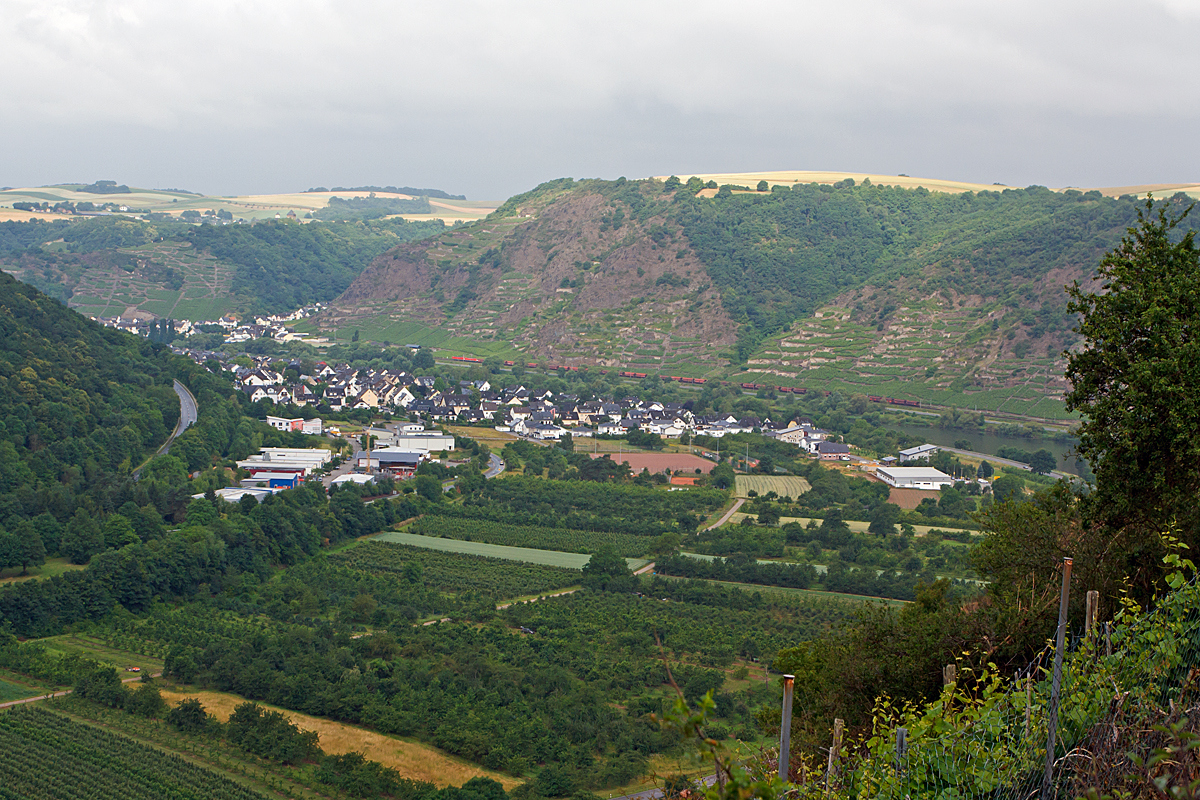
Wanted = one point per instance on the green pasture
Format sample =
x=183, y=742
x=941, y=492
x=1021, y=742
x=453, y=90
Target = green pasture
x=549, y=558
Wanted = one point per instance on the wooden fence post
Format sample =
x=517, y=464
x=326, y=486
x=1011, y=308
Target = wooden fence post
x=834, y=754
x=1093, y=605
x=949, y=675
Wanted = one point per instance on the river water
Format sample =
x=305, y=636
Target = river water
x=990, y=443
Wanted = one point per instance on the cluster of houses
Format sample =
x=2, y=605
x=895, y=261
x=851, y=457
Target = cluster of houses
x=268, y=327
x=531, y=413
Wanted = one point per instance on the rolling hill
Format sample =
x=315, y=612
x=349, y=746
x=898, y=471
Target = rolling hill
x=952, y=296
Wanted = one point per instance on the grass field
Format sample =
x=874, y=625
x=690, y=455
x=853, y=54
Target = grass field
x=549, y=558
x=15, y=691
x=410, y=758
x=782, y=485
x=52, y=567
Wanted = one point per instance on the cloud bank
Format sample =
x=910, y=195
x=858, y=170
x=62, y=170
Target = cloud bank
x=489, y=98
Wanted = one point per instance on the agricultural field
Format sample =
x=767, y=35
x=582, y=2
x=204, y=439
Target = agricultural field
x=411, y=759
x=565, y=540
x=791, y=178
x=550, y=558
x=456, y=567
x=781, y=485
x=47, y=755
x=662, y=462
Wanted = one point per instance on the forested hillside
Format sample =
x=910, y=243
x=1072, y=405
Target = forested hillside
x=954, y=298
x=82, y=406
x=104, y=265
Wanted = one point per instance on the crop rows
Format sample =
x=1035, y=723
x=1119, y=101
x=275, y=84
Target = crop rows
x=455, y=573
x=47, y=755
x=564, y=539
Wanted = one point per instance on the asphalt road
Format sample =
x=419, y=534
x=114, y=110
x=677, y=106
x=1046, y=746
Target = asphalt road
x=188, y=411
x=495, y=466
x=1004, y=461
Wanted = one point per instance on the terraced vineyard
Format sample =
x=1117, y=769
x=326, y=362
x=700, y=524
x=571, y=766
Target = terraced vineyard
x=527, y=536
x=928, y=352
x=47, y=755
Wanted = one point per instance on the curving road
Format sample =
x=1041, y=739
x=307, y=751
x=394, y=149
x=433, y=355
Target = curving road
x=495, y=466
x=188, y=412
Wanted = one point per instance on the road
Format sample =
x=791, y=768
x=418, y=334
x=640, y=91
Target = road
x=495, y=466
x=1004, y=462
x=346, y=467
x=188, y=412
x=727, y=515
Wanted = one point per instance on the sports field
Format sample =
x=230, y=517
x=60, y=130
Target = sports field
x=782, y=485
x=549, y=558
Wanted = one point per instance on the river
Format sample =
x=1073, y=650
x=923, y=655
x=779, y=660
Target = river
x=990, y=443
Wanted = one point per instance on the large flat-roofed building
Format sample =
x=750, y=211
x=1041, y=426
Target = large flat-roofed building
x=396, y=462
x=917, y=453
x=286, y=459
x=423, y=441
x=914, y=477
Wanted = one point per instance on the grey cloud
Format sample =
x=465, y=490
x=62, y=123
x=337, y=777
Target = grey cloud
x=490, y=97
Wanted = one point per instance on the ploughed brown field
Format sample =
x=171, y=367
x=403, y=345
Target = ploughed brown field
x=910, y=498
x=657, y=462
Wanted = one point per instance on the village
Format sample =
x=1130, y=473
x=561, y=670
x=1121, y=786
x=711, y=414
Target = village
x=415, y=405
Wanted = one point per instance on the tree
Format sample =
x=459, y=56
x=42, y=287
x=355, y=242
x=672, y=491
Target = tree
x=985, y=470
x=30, y=550
x=762, y=186
x=1043, y=462
x=423, y=359
x=1009, y=487
x=1136, y=381
x=884, y=519
x=188, y=716
x=82, y=538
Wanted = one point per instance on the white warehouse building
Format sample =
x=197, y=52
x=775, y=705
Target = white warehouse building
x=914, y=477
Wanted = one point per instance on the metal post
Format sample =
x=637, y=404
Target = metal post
x=949, y=675
x=901, y=749
x=1056, y=685
x=785, y=726
x=1108, y=638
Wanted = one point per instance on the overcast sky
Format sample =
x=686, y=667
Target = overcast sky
x=491, y=98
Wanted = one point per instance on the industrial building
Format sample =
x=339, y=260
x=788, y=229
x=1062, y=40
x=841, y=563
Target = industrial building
x=914, y=477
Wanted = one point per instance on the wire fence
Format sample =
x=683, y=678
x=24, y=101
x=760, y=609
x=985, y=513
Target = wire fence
x=1126, y=687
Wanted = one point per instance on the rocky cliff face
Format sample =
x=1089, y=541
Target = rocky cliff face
x=578, y=275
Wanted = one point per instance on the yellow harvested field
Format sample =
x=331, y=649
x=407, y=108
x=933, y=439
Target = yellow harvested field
x=411, y=759
x=793, y=177
x=782, y=485
x=12, y=215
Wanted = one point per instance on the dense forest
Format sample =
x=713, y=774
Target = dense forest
x=278, y=265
